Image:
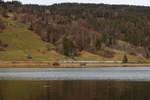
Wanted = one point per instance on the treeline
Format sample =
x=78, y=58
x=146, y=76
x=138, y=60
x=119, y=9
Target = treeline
x=1, y=22
x=2, y=27
x=76, y=27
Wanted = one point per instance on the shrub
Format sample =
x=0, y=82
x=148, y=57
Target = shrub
x=125, y=59
x=4, y=13
x=56, y=64
x=1, y=49
x=29, y=57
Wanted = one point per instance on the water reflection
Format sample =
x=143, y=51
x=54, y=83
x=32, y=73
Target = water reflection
x=74, y=90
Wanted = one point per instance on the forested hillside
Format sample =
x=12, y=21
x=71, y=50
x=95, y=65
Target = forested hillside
x=73, y=28
x=2, y=27
x=1, y=22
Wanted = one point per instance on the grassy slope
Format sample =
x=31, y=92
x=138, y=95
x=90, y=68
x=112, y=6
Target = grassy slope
x=84, y=55
x=22, y=43
x=117, y=57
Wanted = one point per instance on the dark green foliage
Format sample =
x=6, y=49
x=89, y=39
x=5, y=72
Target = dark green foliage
x=3, y=46
x=125, y=59
x=1, y=2
x=29, y=56
x=98, y=44
x=104, y=37
x=30, y=27
x=4, y=13
x=48, y=47
x=68, y=47
x=2, y=26
x=110, y=41
x=16, y=3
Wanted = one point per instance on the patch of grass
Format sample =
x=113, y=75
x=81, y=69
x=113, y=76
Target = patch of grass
x=117, y=57
x=86, y=56
x=23, y=42
x=147, y=60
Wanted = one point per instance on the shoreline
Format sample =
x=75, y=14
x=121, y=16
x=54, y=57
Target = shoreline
x=107, y=73
x=52, y=64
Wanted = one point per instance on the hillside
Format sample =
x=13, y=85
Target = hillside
x=82, y=32
x=23, y=43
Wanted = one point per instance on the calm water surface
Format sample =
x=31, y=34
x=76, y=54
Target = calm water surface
x=13, y=87
x=74, y=90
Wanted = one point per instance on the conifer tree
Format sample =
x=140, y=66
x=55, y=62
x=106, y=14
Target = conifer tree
x=98, y=44
x=67, y=47
x=125, y=59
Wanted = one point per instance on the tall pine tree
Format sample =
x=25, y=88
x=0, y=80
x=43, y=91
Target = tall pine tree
x=68, y=47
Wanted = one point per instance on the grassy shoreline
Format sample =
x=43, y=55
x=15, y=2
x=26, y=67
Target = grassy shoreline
x=47, y=64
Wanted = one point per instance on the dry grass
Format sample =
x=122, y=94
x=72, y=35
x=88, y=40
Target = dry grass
x=118, y=56
x=84, y=55
x=23, y=42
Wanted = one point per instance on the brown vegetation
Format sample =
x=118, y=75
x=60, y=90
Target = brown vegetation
x=73, y=28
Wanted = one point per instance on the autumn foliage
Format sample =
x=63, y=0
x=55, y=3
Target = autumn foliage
x=76, y=27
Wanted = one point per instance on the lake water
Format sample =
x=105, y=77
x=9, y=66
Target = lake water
x=115, y=83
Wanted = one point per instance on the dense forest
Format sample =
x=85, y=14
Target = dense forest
x=2, y=27
x=76, y=27
x=1, y=23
